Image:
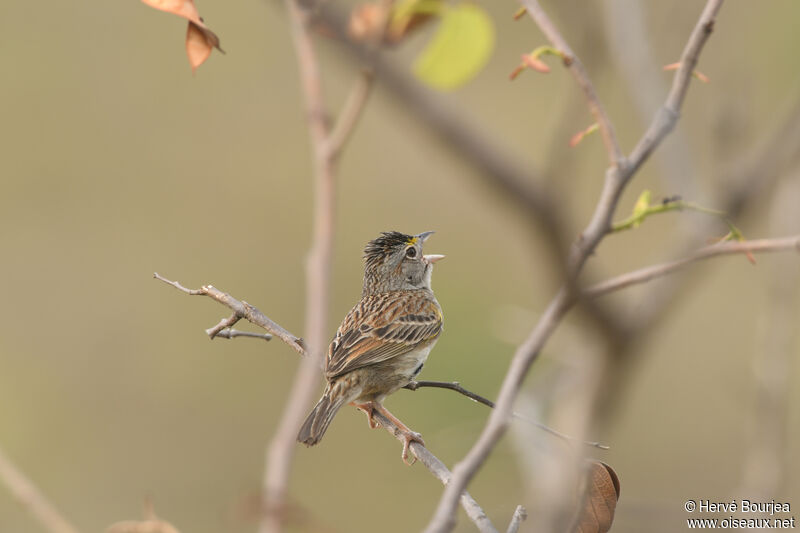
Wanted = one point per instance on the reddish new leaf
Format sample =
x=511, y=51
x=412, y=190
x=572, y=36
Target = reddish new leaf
x=696, y=73
x=578, y=137
x=535, y=63
x=200, y=40
x=600, y=499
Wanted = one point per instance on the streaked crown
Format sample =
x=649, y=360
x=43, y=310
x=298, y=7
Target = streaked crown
x=389, y=241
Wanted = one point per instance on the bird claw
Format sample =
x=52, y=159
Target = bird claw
x=408, y=438
x=368, y=409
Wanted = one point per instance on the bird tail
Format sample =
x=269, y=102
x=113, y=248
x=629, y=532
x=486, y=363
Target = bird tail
x=320, y=418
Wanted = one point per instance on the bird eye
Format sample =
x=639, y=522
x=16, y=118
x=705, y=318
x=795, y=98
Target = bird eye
x=411, y=252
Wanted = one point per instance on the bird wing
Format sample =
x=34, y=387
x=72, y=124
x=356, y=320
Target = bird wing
x=383, y=326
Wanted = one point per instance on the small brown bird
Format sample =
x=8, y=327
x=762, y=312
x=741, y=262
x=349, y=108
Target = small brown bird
x=385, y=339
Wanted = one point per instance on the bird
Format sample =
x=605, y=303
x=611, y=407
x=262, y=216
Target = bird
x=383, y=342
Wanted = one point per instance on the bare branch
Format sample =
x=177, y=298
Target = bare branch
x=438, y=469
x=233, y=333
x=456, y=386
x=656, y=271
x=359, y=94
x=351, y=112
x=635, y=60
x=667, y=116
x=224, y=324
x=573, y=63
x=616, y=179
x=242, y=310
x=517, y=518
x=32, y=499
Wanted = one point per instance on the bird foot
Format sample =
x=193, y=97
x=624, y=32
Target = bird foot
x=401, y=431
x=369, y=409
x=409, y=437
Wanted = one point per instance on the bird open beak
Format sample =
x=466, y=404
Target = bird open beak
x=424, y=236
x=432, y=258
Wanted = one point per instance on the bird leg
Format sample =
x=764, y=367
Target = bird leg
x=402, y=431
x=368, y=408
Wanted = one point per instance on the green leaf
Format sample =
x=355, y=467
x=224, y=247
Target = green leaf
x=640, y=207
x=459, y=49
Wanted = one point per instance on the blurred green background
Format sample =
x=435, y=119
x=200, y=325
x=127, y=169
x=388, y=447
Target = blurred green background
x=116, y=162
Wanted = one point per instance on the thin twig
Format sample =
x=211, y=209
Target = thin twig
x=632, y=52
x=519, y=516
x=357, y=99
x=667, y=116
x=456, y=386
x=224, y=325
x=243, y=310
x=617, y=177
x=32, y=499
x=233, y=333
x=351, y=112
x=656, y=271
x=573, y=63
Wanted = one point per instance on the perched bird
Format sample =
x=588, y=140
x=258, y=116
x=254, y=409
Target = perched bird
x=385, y=339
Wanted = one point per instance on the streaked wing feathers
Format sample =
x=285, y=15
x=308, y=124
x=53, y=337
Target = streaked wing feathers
x=383, y=326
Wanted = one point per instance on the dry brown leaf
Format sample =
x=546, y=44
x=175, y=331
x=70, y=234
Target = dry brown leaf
x=368, y=22
x=199, y=38
x=600, y=499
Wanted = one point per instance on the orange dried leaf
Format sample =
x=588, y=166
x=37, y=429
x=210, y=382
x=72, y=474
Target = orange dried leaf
x=600, y=500
x=199, y=42
x=520, y=13
x=182, y=8
x=535, y=63
x=199, y=38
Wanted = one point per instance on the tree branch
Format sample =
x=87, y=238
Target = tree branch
x=456, y=386
x=241, y=310
x=440, y=471
x=667, y=116
x=351, y=112
x=573, y=63
x=617, y=177
x=32, y=499
x=229, y=333
x=656, y=271
x=517, y=518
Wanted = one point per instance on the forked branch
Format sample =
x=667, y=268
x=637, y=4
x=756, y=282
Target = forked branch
x=616, y=178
